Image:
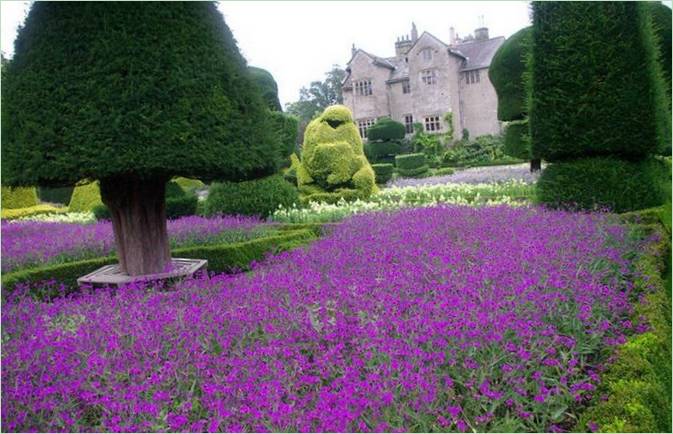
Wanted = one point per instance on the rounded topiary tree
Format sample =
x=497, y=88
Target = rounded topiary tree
x=131, y=94
x=384, y=140
x=506, y=72
x=267, y=85
x=663, y=28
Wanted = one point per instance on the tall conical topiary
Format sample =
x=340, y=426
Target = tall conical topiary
x=131, y=94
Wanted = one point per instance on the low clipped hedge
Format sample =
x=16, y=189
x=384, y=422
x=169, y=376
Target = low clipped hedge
x=11, y=214
x=188, y=184
x=259, y=197
x=60, y=195
x=443, y=171
x=18, y=197
x=221, y=258
x=410, y=161
x=383, y=172
x=419, y=172
x=635, y=391
x=604, y=182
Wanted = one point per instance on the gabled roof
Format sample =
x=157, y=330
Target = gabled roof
x=479, y=53
x=377, y=60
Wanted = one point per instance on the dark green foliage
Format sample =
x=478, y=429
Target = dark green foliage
x=55, y=195
x=99, y=89
x=260, y=197
x=596, y=84
x=418, y=172
x=267, y=86
x=385, y=129
x=383, y=172
x=604, y=182
x=517, y=140
x=410, y=161
x=661, y=20
x=466, y=134
x=382, y=152
x=484, y=149
x=285, y=127
x=221, y=258
x=506, y=73
x=178, y=203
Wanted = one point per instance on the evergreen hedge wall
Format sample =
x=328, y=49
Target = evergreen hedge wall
x=597, y=88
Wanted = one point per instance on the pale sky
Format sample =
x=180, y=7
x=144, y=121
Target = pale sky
x=298, y=41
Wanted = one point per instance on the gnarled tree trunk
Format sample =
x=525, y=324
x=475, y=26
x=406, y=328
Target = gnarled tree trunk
x=535, y=165
x=138, y=209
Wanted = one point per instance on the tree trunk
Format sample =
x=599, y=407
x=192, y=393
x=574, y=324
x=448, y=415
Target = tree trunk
x=138, y=210
x=535, y=165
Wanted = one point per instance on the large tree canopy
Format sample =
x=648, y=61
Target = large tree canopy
x=506, y=73
x=138, y=89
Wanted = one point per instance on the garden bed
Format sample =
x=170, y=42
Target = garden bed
x=432, y=319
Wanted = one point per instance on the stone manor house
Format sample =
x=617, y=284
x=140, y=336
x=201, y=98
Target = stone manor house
x=424, y=81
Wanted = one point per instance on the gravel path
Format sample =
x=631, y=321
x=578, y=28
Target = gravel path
x=475, y=175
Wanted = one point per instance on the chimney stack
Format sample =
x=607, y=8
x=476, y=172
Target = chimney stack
x=481, y=34
x=452, y=36
x=414, y=32
x=353, y=50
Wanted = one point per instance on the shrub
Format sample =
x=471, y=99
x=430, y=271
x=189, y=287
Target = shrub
x=384, y=172
x=333, y=159
x=596, y=84
x=419, y=172
x=443, y=171
x=506, y=73
x=604, y=182
x=661, y=18
x=267, y=86
x=189, y=185
x=410, y=161
x=17, y=213
x=385, y=129
x=60, y=195
x=85, y=197
x=517, y=140
x=483, y=149
x=18, y=197
x=382, y=152
x=286, y=127
x=260, y=197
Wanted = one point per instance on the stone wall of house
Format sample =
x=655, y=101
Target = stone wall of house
x=479, y=105
x=370, y=106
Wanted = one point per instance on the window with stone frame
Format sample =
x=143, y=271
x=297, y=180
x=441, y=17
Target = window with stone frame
x=363, y=125
x=406, y=86
x=429, y=76
x=363, y=87
x=408, y=124
x=432, y=123
x=426, y=53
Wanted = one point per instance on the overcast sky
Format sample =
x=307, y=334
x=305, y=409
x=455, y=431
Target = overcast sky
x=299, y=41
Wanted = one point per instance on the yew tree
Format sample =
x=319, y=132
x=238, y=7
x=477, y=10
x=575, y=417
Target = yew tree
x=131, y=94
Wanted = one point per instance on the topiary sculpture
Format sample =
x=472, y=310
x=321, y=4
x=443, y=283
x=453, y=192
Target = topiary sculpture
x=333, y=164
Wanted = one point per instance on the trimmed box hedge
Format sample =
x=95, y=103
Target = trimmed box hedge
x=419, y=172
x=383, y=172
x=221, y=258
x=410, y=161
x=18, y=197
x=10, y=214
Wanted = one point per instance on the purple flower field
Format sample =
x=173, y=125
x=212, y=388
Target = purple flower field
x=29, y=243
x=433, y=319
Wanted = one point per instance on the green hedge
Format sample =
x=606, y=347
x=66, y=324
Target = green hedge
x=410, y=161
x=385, y=129
x=60, y=195
x=261, y=197
x=635, y=391
x=85, y=197
x=286, y=127
x=18, y=197
x=419, y=172
x=17, y=213
x=221, y=258
x=383, y=172
x=382, y=152
x=597, y=88
x=517, y=140
x=443, y=171
x=604, y=182
x=506, y=73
